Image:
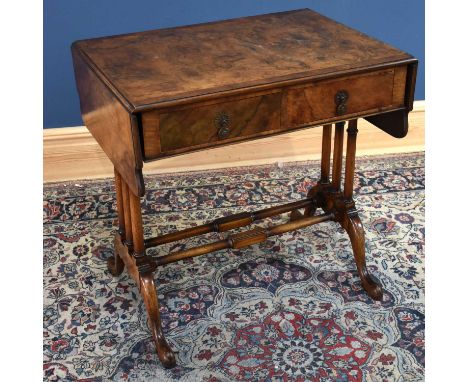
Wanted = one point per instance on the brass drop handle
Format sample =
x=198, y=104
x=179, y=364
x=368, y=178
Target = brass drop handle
x=340, y=100
x=222, y=123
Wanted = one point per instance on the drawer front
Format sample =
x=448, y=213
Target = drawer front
x=338, y=97
x=209, y=125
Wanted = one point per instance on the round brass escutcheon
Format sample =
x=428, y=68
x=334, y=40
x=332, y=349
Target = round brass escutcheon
x=222, y=123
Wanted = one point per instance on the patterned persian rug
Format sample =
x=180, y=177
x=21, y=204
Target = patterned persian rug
x=288, y=309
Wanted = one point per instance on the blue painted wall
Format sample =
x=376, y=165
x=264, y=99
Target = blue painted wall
x=397, y=22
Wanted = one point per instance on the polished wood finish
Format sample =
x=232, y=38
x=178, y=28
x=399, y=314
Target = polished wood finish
x=147, y=288
x=299, y=58
x=300, y=223
x=178, y=130
x=324, y=170
x=307, y=104
x=195, y=127
x=227, y=223
x=132, y=254
x=345, y=214
x=112, y=126
x=127, y=216
x=148, y=95
x=338, y=155
x=122, y=250
x=326, y=151
x=410, y=84
x=246, y=238
x=119, y=199
x=353, y=226
x=399, y=85
x=150, y=134
x=252, y=52
x=188, y=128
x=350, y=159
x=144, y=263
x=192, y=252
x=137, y=227
x=150, y=297
x=394, y=122
x=242, y=239
x=115, y=263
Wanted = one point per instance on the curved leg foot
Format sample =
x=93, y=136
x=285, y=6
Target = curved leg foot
x=115, y=264
x=353, y=226
x=148, y=291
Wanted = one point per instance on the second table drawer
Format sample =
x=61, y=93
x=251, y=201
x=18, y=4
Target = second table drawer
x=339, y=97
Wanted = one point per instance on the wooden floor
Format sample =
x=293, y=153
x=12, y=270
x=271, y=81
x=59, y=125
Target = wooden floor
x=71, y=153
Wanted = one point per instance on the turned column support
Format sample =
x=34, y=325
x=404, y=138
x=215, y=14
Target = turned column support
x=137, y=226
x=115, y=264
x=338, y=156
x=120, y=209
x=144, y=263
x=128, y=217
x=326, y=151
x=350, y=159
x=324, y=172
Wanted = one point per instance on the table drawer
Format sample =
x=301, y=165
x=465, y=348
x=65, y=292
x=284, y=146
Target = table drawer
x=200, y=126
x=327, y=99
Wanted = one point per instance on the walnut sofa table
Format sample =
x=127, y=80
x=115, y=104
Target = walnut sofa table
x=149, y=95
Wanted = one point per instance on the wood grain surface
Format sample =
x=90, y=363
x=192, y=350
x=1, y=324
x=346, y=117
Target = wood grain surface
x=159, y=66
x=111, y=125
x=369, y=92
x=194, y=127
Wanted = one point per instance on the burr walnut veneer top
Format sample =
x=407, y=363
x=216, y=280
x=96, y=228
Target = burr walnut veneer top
x=159, y=67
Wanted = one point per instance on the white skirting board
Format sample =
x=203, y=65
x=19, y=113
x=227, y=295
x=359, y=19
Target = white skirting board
x=72, y=153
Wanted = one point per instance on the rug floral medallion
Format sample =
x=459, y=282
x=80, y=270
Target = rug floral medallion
x=288, y=309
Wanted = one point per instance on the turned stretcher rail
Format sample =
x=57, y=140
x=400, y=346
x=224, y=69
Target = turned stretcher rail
x=243, y=239
x=227, y=223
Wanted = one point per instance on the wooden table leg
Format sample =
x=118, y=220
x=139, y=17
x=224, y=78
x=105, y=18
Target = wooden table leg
x=353, y=226
x=326, y=151
x=350, y=159
x=338, y=156
x=128, y=217
x=148, y=287
x=115, y=264
x=331, y=199
x=351, y=221
x=324, y=169
x=324, y=174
